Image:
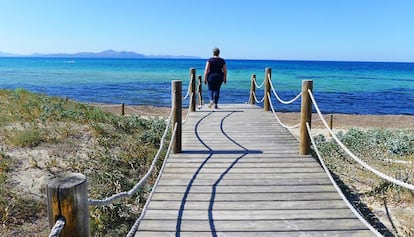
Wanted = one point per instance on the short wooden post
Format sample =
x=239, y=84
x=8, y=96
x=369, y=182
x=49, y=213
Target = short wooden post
x=253, y=89
x=192, y=89
x=176, y=114
x=66, y=99
x=200, y=91
x=305, y=117
x=268, y=75
x=123, y=109
x=331, y=123
x=67, y=197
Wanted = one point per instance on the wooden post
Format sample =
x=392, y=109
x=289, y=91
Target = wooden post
x=331, y=123
x=200, y=91
x=66, y=99
x=176, y=114
x=67, y=197
x=192, y=89
x=305, y=116
x=123, y=109
x=253, y=90
x=268, y=75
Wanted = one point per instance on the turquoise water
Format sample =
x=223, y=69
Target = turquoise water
x=339, y=87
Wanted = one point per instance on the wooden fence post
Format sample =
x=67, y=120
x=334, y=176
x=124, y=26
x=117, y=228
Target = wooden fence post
x=305, y=117
x=176, y=114
x=192, y=89
x=123, y=109
x=200, y=92
x=253, y=89
x=268, y=75
x=67, y=197
x=331, y=123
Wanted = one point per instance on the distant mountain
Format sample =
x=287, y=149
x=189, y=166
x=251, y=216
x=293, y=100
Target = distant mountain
x=106, y=54
x=3, y=54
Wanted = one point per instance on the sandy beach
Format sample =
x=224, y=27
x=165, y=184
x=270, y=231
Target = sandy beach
x=340, y=121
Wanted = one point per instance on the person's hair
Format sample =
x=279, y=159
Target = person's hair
x=216, y=51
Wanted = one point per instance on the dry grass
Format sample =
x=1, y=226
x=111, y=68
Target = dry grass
x=43, y=137
x=380, y=148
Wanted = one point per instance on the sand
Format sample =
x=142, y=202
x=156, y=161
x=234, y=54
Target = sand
x=340, y=121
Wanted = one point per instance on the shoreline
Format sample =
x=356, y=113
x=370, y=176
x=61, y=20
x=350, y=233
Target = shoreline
x=340, y=121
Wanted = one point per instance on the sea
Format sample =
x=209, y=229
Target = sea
x=339, y=87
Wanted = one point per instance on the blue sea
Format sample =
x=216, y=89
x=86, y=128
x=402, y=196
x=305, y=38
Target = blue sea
x=339, y=87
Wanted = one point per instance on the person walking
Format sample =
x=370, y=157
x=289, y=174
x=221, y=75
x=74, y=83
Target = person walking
x=215, y=74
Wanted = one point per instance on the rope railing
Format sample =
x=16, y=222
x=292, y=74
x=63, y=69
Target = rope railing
x=258, y=86
x=108, y=200
x=134, y=228
x=278, y=119
x=354, y=157
x=286, y=102
x=189, y=87
x=58, y=227
x=257, y=100
x=338, y=189
x=189, y=109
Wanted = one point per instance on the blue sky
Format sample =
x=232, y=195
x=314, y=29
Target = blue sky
x=356, y=30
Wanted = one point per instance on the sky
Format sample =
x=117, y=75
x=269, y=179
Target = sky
x=340, y=30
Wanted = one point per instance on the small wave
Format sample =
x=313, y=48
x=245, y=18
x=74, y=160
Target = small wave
x=69, y=61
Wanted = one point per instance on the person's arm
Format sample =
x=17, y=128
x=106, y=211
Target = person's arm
x=225, y=73
x=206, y=71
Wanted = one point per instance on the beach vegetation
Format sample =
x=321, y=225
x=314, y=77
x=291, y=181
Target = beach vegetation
x=52, y=136
x=389, y=151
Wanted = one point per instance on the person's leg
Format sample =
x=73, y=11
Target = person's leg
x=217, y=93
x=210, y=92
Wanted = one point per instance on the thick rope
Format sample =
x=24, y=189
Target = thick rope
x=255, y=98
x=134, y=228
x=131, y=192
x=286, y=102
x=58, y=227
x=189, y=88
x=338, y=189
x=189, y=107
x=277, y=118
x=361, y=162
x=259, y=86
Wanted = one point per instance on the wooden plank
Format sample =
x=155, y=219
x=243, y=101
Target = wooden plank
x=238, y=215
x=245, y=165
x=247, y=183
x=229, y=197
x=237, y=170
x=247, y=176
x=248, y=189
x=258, y=225
x=293, y=233
x=251, y=205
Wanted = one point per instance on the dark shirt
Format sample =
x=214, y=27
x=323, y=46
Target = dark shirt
x=216, y=65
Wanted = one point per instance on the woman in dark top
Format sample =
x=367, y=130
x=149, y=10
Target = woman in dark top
x=215, y=74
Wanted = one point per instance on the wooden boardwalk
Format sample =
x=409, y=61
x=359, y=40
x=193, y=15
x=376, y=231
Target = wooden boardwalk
x=240, y=175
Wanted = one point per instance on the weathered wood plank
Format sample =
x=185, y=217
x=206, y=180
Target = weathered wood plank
x=255, y=182
x=293, y=233
x=247, y=176
x=248, y=189
x=251, y=205
x=258, y=225
x=230, y=197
